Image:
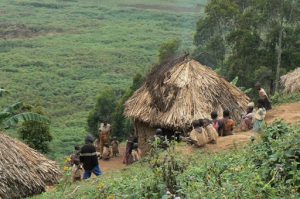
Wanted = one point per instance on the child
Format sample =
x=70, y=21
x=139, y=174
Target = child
x=216, y=123
x=247, y=118
x=76, y=166
x=135, y=150
x=106, y=152
x=259, y=116
x=115, y=146
x=211, y=132
x=228, y=123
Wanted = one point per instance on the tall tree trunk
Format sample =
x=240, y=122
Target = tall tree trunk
x=279, y=53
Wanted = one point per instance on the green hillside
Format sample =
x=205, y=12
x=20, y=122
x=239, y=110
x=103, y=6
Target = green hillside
x=60, y=53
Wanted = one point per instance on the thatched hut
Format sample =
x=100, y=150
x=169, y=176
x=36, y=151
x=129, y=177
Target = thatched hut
x=291, y=81
x=23, y=171
x=177, y=93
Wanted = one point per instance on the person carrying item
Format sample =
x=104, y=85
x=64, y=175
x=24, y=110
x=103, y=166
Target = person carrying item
x=263, y=96
x=228, y=123
x=88, y=158
x=259, y=116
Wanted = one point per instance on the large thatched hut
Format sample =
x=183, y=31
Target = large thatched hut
x=177, y=93
x=291, y=81
x=23, y=171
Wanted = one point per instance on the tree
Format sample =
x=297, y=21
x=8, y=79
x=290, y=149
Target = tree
x=168, y=50
x=36, y=134
x=256, y=40
x=13, y=114
x=103, y=110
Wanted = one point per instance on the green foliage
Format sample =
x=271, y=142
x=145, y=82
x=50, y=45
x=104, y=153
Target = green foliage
x=254, y=40
x=103, y=110
x=169, y=50
x=281, y=98
x=36, y=135
x=61, y=54
x=267, y=168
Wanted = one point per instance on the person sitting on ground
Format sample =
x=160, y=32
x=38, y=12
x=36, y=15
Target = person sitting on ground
x=136, y=154
x=217, y=124
x=228, y=123
x=106, y=152
x=211, y=131
x=76, y=166
x=161, y=139
x=88, y=158
x=198, y=135
x=263, y=96
x=115, y=147
x=259, y=116
x=248, y=118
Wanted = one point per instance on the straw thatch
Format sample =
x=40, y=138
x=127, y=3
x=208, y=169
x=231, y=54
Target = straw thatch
x=291, y=81
x=23, y=171
x=181, y=91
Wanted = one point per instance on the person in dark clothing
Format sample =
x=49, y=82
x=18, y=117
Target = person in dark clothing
x=217, y=124
x=88, y=158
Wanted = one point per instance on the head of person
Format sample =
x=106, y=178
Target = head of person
x=89, y=139
x=197, y=123
x=206, y=122
x=158, y=131
x=260, y=103
x=214, y=115
x=258, y=86
x=104, y=123
x=226, y=114
x=77, y=147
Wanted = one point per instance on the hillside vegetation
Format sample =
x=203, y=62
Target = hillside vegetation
x=60, y=54
x=266, y=168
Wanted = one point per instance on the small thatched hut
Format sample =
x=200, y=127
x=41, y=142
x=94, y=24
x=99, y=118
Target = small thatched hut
x=177, y=93
x=23, y=171
x=291, y=81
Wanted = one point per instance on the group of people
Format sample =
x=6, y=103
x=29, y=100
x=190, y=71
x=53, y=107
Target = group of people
x=85, y=159
x=204, y=131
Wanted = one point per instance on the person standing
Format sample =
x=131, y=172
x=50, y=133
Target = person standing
x=259, y=116
x=104, y=132
x=88, y=158
x=263, y=96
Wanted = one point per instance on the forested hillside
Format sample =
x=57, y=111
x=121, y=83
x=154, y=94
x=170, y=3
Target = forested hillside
x=60, y=54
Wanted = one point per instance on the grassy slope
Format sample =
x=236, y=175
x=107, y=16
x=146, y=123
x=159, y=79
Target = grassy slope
x=61, y=53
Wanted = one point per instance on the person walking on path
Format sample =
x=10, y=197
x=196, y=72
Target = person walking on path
x=88, y=158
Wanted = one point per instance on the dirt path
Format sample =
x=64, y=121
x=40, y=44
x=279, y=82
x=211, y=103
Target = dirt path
x=288, y=112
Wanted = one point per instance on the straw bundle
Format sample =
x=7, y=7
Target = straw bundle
x=291, y=81
x=23, y=171
x=181, y=91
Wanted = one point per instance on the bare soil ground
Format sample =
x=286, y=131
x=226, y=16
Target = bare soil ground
x=288, y=112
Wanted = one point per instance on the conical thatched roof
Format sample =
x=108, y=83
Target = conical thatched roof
x=23, y=171
x=181, y=91
x=291, y=81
